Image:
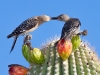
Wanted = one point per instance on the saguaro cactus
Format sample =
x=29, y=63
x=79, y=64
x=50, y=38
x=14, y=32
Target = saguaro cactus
x=83, y=61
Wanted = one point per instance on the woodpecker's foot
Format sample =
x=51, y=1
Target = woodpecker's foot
x=27, y=38
x=26, y=42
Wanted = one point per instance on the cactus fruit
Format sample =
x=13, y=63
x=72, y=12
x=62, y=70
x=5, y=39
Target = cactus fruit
x=76, y=41
x=33, y=56
x=83, y=61
x=64, y=48
x=16, y=69
x=36, y=56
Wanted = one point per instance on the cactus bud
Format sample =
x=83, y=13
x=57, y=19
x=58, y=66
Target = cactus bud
x=64, y=48
x=16, y=69
x=76, y=41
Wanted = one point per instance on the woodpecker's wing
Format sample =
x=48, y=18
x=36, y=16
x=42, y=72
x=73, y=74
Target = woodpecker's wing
x=70, y=28
x=24, y=27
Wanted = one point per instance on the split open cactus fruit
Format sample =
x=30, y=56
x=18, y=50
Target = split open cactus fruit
x=64, y=48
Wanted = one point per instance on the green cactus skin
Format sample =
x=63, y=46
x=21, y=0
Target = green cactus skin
x=83, y=61
x=25, y=52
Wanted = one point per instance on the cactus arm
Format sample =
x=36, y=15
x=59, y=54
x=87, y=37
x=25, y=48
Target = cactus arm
x=82, y=61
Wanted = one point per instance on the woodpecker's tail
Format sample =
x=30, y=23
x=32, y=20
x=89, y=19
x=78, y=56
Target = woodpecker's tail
x=10, y=35
x=15, y=39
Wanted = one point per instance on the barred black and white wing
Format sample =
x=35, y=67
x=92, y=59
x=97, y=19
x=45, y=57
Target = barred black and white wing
x=24, y=27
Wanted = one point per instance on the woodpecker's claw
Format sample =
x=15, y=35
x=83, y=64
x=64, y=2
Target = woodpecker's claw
x=26, y=42
x=27, y=38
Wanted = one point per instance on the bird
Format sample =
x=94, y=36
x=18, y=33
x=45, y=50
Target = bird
x=71, y=26
x=27, y=26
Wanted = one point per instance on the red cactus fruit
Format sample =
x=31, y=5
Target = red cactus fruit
x=16, y=69
x=64, y=48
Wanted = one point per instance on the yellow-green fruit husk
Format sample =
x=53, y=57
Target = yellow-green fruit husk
x=37, y=56
x=76, y=41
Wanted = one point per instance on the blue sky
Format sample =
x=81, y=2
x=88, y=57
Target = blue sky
x=13, y=12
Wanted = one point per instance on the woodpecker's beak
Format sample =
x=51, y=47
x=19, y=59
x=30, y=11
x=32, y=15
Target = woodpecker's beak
x=54, y=18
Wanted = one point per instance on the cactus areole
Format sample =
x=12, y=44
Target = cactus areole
x=64, y=48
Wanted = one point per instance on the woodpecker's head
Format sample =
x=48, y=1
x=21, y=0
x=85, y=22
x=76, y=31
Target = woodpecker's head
x=43, y=18
x=62, y=17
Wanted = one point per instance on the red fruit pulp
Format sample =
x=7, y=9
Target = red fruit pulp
x=64, y=48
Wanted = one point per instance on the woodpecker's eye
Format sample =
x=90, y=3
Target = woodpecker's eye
x=60, y=18
x=35, y=19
